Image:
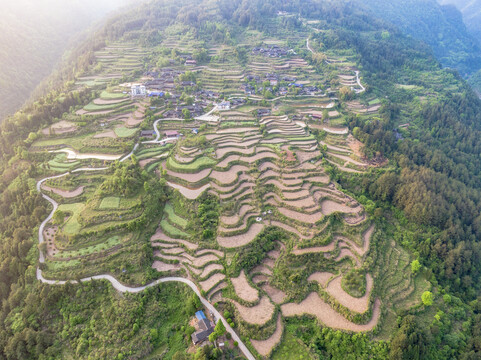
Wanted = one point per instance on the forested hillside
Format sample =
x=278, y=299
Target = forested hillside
x=33, y=37
x=441, y=27
x=471, y=10
x=309, y=168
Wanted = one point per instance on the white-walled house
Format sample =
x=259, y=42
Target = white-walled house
x=138, y=90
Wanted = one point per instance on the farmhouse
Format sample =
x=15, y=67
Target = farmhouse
x=206, y=327
x=171, y=134
x=147, y=133
x=224, y=105
x=137, y=90
x=191, y=63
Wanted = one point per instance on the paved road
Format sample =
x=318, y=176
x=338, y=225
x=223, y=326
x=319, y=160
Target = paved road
x=122, y=288
x=308, y=47
x=359, y=83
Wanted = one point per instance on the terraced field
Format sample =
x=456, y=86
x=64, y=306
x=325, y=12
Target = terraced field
x=278, y=240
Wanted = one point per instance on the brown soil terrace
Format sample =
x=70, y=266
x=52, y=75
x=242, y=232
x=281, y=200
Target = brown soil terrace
x=64, y=193
x=258, y=314
x=243, y=289
x=314, y=305
x=265, y=347
x=360, y=305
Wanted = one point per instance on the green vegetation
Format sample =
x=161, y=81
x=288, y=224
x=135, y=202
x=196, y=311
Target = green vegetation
x=172, y=230
x=110, y=202
x=291, y=348
x=354, y=283
x=176, y=219
x=72, y=225
x=423, y=202
x=195, y=166
x=124, y=132
x=104, y=246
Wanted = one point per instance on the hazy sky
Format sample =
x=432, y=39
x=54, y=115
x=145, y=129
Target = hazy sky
x=34, y=34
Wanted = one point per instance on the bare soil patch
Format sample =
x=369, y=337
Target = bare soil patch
x=64, y=193
x=190, y=194
x=192, y=178
x=220, y=254
x=161, y=266
x=259, y=279
x=347, y=253
x=232, y=220
x=315, y=250
x=243, y=289
x=314, y=305
x=258, y=314
x=61, y=127
x=360, y=305
x=321, y=277
x=159, y=235
x=328, y=207
x=210, y=282
x=276, y=295
x=201, y=261
x=265, y=347
x=305, y=218
x=209, y=269
x=241, y=239
x=262, y=270
x=290, y=229
x=106, y=134
x=229, y=176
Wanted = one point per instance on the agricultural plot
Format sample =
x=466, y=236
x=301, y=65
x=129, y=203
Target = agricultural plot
x=250, y=204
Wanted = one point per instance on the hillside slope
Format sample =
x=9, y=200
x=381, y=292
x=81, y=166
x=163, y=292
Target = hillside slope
x=312, y=170
x=471, y=10
x=441, y=27
x=33, y=37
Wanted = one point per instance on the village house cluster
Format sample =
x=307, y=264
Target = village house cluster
x=273, y=51
x=277, y=84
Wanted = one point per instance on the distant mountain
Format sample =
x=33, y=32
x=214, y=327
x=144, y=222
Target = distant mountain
x=30, y=49
x=471, y=10
x=439, y=26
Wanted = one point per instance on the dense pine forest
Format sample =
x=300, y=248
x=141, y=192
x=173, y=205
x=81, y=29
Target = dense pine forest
x=422, y=195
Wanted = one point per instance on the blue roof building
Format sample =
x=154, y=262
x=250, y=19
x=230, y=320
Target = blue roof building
x=200, y=315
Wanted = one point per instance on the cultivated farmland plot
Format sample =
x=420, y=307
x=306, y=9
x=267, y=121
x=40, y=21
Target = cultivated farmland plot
x=248, y=202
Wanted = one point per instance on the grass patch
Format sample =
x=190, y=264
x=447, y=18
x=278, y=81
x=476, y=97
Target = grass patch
x=124, y=132
x=109, y=243
x=291, y=349
x=172, y=230
x=173, y=217
x=95, y=107
x=59, y=163
x=112, y=96
x=59, y=265
x=72, y=226
x=110, y=202
x=195, y=166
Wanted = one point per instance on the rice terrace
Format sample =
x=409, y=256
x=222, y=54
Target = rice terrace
x=220, y=164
